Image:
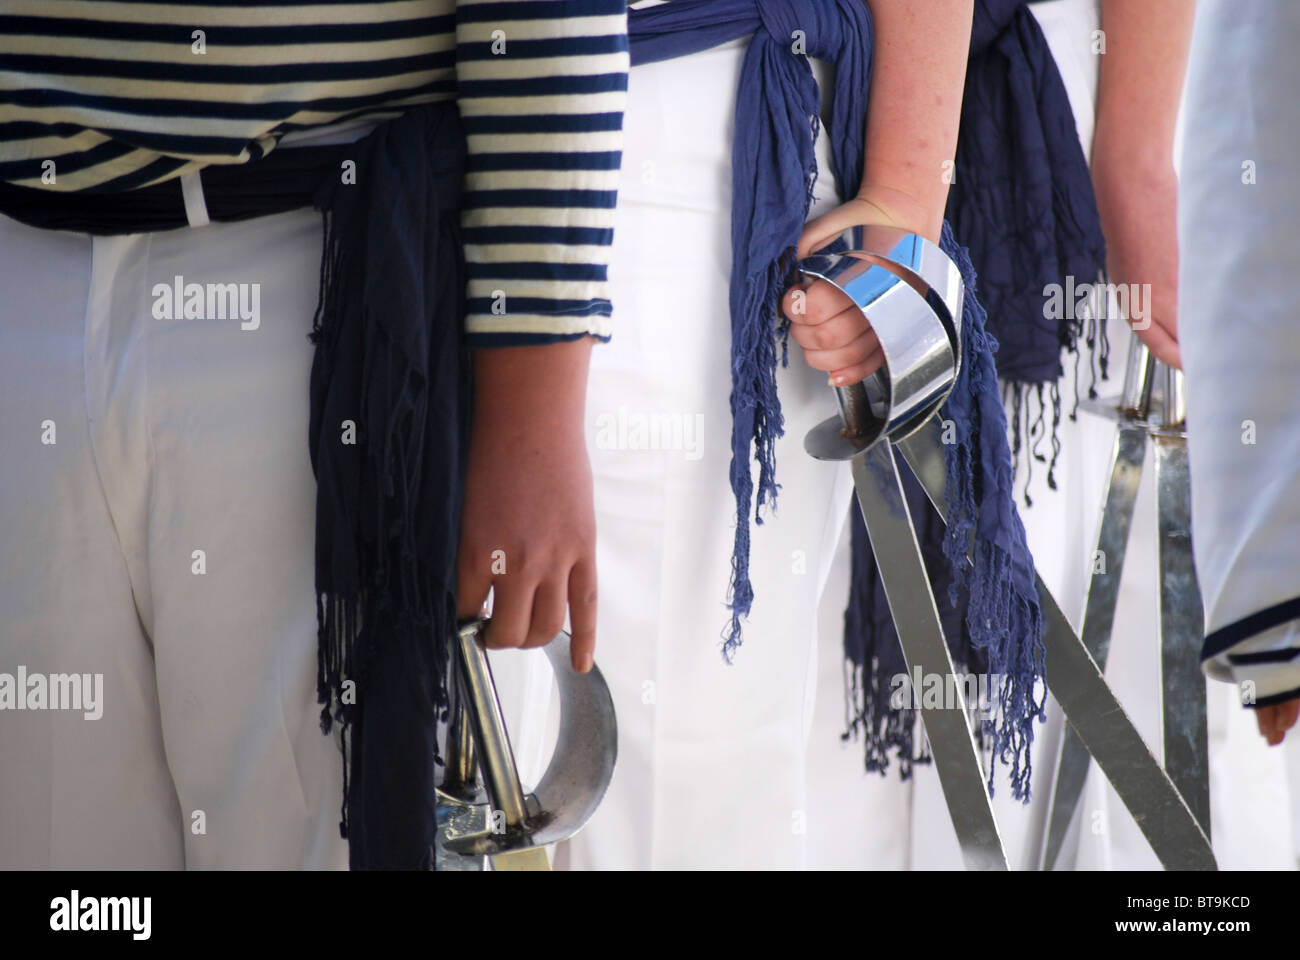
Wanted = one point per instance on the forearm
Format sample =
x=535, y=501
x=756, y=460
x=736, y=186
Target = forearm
x=528, y=527
x=918, y=74
x=526, y=395
x=1138, y=92
x=1139, y=87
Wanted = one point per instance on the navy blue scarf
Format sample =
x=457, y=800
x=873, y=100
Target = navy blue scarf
x=774, y=166
x=1023, y=200
x=390, y=360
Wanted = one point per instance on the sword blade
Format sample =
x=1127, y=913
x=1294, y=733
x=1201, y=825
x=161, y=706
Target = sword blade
x=920, y=632
x=1182, y=631
x=1098, y=620
x=1088, y=703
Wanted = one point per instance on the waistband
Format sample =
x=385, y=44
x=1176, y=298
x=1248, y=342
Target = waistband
x=288, y=178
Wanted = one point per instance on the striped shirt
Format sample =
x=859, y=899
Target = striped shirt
x=110, y=95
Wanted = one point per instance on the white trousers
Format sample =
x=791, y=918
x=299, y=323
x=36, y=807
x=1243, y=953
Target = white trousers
x=157, y=521
x=711, y=768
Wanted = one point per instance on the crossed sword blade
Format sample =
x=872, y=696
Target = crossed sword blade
x=1096, y=717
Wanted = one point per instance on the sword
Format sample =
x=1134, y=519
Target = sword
x=916, y=618
x=1103, y=592
x=1161, y=812
x=915, y=313
x=497, y=821
x=1150, y=409
x=1184, y=726
x=912, y=293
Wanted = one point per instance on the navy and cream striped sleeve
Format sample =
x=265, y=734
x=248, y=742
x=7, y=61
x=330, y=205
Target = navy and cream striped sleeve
x=541, y=86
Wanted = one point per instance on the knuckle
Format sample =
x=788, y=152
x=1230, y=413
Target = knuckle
x=819, y=303
x=499, y=638
x=826, y=337
x=803, y=335
x=533, y=564
x=542, y=634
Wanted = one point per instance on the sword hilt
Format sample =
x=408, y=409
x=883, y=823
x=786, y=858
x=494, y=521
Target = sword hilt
x=855, y=410
x=912, y=293
x=500, y=775
x=1151, y=385
x=576, y=779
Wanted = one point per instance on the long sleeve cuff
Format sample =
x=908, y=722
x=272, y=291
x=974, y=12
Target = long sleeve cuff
x=1265, y=667
x=541, y=88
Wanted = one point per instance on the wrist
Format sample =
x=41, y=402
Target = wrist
x=525, y=392
x=1127, y=187
x=1121, y=162
x=889, y=206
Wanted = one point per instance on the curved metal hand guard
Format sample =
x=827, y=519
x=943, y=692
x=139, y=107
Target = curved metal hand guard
x=575, y=780
x=919, y=332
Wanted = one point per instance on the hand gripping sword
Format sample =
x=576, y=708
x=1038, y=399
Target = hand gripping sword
x=483, y=812
x=912, y=293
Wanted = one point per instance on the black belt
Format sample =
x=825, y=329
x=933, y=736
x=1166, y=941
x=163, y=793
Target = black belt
x=283, y=180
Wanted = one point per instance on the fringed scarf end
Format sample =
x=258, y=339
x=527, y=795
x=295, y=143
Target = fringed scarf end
x=387, y=440
x=887, y=731
x=1008, y=629
x=1002, y=614
x=757, y=424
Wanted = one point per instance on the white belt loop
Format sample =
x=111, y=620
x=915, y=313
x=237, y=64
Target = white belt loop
x=196, y=208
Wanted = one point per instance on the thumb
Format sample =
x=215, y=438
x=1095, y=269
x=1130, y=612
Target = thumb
x=820, y=231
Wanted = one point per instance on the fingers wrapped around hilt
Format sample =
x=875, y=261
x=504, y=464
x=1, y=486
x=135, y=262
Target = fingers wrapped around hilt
x=574, y=782
x=911, y=293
